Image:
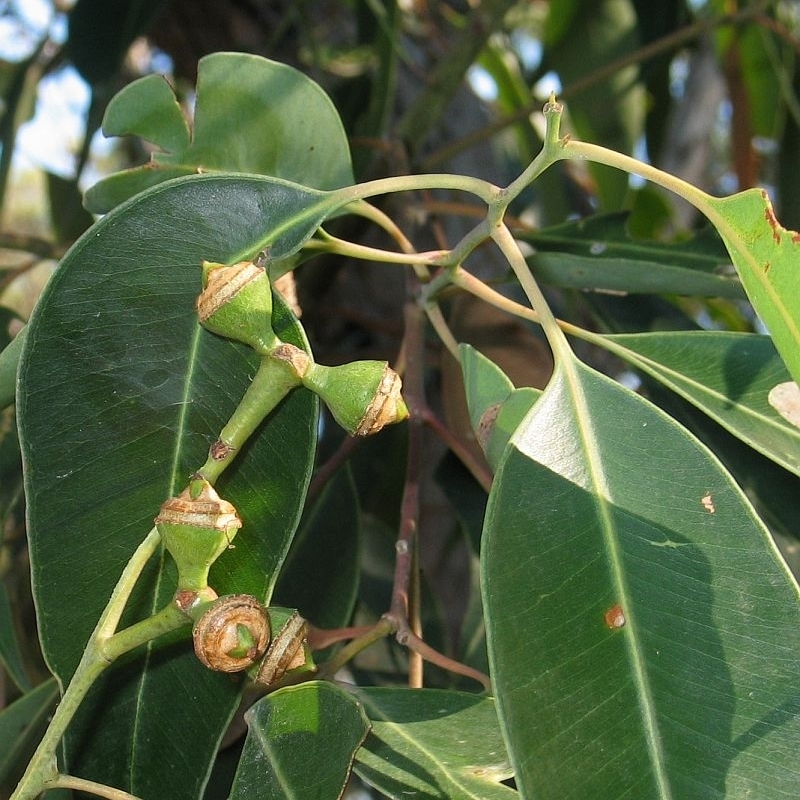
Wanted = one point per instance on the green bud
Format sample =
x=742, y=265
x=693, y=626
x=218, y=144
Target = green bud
x=236, y=302
x=196, y=527
x=363, y=396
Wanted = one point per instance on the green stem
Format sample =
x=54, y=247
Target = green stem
x=555, y=336
x=569, y=149
x=548, y=155
x=42, y=767
x=165, y=621
x=91, y=787
x=330, y=244
x=380, y=630
x=109, y=620
x=486, y=191
x=383, y=220
x=272, y=382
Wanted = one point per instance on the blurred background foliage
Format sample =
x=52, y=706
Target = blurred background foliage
x=707, y=90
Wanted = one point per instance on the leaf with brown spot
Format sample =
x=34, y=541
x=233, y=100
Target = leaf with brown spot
x=767, y=259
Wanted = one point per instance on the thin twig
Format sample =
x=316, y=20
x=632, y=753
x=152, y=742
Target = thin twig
x=328, y=469
x=406, y=637
x=413, y=347
x=476, y=468
x=92, y=787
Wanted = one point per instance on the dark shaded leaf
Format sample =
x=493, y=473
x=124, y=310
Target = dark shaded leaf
x=597, y=253
x=300, y=744
x=320, y=576
x=21, y=726
x=121, y=394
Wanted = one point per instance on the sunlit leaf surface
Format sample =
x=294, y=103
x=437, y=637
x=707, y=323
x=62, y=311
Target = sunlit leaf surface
x=765, y=255
x=643, y=631
x=251, y=115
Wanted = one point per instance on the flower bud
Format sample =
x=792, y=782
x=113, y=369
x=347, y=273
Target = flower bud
x=236, y=302
x=196, y=527
x=288, y=654
x=363, y=396
x=232, y=634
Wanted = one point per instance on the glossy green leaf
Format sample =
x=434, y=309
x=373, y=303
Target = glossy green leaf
x=300, y=744
x=10, y=654
x=251, y=115
x=21, y=726
x=765, y=256
x=9, y=361
x=496, y=408
x=643, y=631
x=320, y=575
x=727, y=375
x=148, y=108
x=121, y=393
x=434, y=744
x=598, y=253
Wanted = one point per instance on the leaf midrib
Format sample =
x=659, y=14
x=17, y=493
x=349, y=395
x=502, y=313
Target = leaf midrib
x=414, y=745
x=600, y=491
x=175, y=478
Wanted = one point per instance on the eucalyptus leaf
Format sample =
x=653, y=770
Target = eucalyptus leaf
x=300, y=744
x=727, y=375
x=21, y=726
x=321, y=572
x=496, y=407
x=643, y=630
x=251, y=115
x=597, y=253
x=121, y=393
x=765, y=256
x=434, y=744
x=10, y=655
x=9, y=361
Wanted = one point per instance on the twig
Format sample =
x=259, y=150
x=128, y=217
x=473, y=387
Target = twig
x=413, y=348
x=98, y=789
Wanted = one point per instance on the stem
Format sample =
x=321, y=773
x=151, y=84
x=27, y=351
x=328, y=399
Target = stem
x=165, y=621
x=331, y=244
x=409, y=639
x=555, y=336
x=486, y=191
x=272, y=382
x=381, y=629
x=546, y=157
x=601, y=155
x=477, y=287
x=476, y=467
x=382, y=220
x=439, y=324
x=404, y=604
x=121, y=593
x=42, y=766
x=99, y=789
